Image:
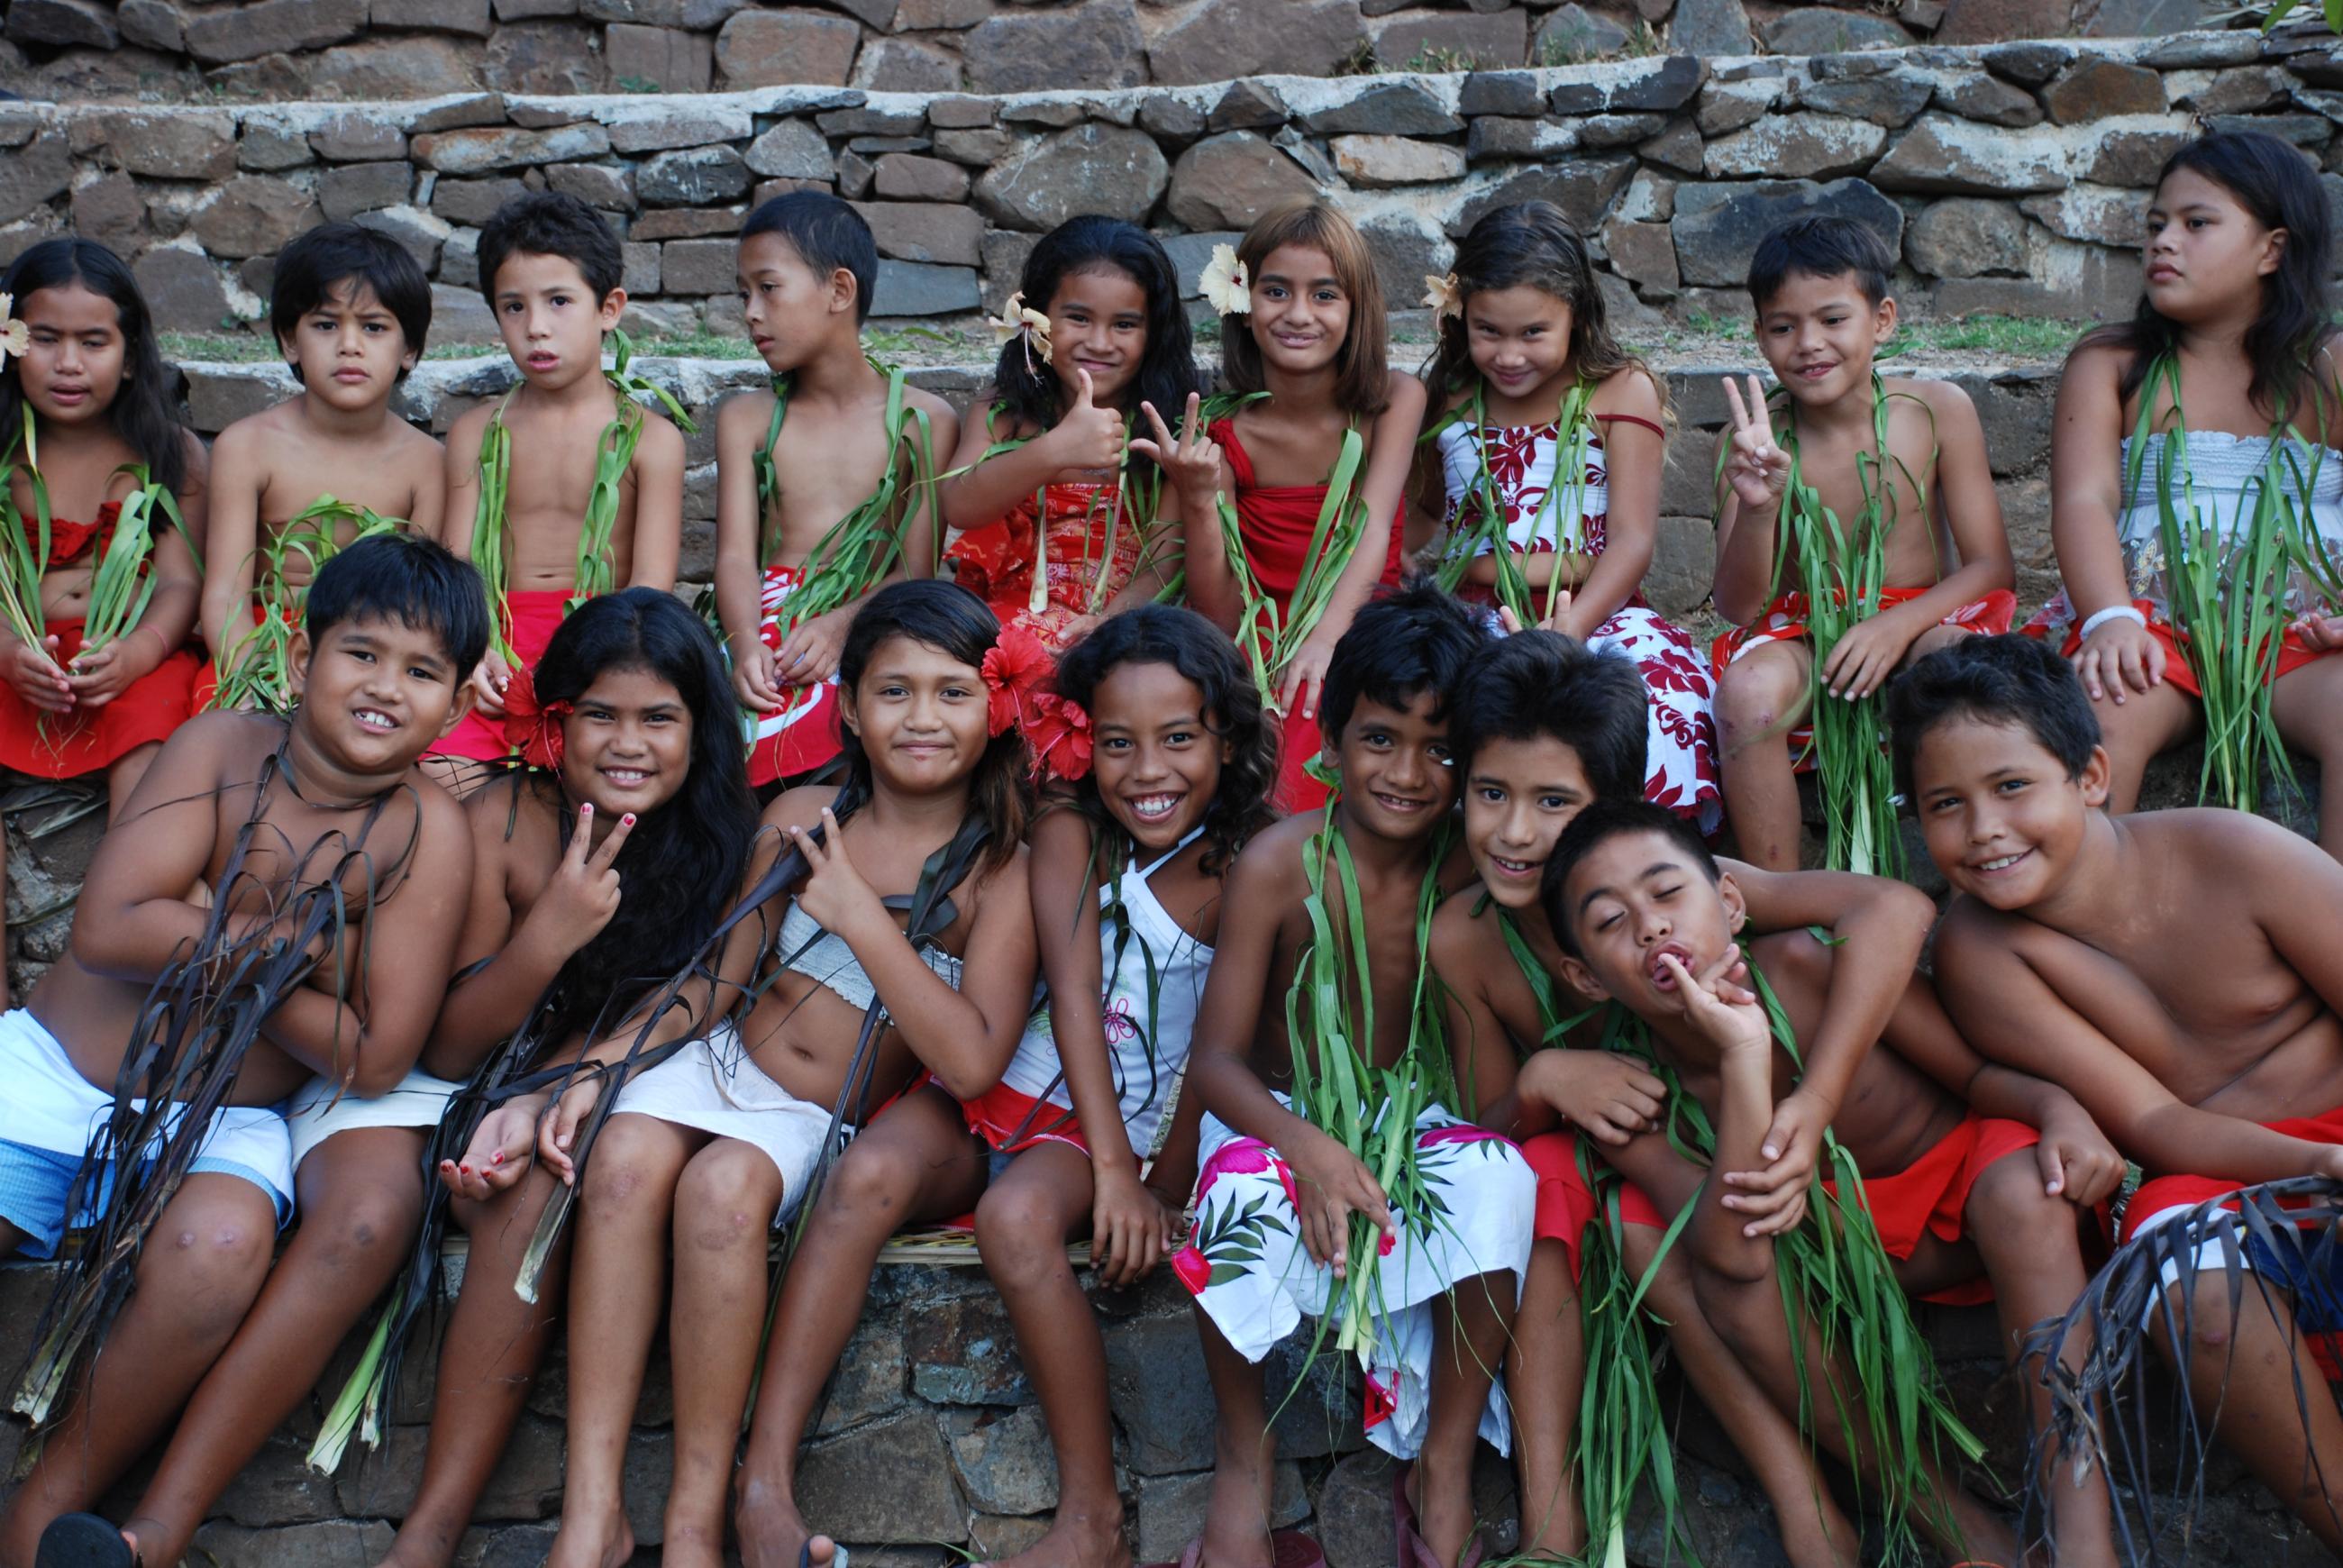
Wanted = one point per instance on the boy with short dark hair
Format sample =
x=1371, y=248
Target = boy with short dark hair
x=2178, y=972
x=1545, y=727
x=293, y=483
x=570, y=487
x=824, y=493
x=1861, y=469
x=1277, y=1194
x=1647, y=919
x=280, y=898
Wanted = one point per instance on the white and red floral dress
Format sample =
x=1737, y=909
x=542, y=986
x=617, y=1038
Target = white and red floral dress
x=1681, y=762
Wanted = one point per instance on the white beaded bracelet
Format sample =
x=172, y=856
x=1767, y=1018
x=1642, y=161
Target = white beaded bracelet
x=2112, y=612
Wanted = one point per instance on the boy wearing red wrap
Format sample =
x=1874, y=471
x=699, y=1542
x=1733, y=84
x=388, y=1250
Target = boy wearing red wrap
x=1889, y=460
x=570, y=487
x=1647, y=920
x=821, y=492
x=2176, y=970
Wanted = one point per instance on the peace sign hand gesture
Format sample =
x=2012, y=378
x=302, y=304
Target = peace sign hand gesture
x=835, y=897
x=1189, y=460
x=1758, y=470
x=583, y=893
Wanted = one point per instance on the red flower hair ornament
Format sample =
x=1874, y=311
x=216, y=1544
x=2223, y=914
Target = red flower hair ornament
x=1017, y=673
x=535, y=732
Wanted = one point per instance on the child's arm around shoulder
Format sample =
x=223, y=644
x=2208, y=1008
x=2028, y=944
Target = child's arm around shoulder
x=2010, y=1014
x=657, y=471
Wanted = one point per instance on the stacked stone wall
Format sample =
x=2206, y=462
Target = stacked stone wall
x=2011, y=178
x=414, y=49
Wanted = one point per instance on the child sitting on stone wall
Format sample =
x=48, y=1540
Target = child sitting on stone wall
x=824, y=482
x=570, y=487
x=295, y=483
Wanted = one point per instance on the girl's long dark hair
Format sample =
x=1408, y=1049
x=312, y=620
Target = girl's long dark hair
x=682, y=864
x=2275, y=182
x=142, y=410
x=1529, y=245
x=1026, y=387
x=1206, y=658
x=955, y=623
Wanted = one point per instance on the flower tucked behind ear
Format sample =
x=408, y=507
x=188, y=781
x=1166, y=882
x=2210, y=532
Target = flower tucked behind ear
x=540, y=734
x=14, y=336
x=1019, y=319
x=1443, y=295
x=1016, y=670
x=1227, y=287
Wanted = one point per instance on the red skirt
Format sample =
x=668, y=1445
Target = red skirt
x=1276, y=522
x=2293, y=653
x=531, y=617
x=68, y=745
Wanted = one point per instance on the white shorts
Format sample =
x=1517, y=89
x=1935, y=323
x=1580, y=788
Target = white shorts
x=317, y=1112
x=50, y=1112
x=712, y=1085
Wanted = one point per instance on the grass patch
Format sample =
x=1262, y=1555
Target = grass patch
x=2006, y=336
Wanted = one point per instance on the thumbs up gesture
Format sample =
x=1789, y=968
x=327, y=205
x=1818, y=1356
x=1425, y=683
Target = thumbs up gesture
x=1088, y=437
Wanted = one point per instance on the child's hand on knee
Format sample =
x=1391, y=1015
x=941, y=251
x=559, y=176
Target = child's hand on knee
x=499, y=1154
x=1331, y=1184
x=2117, y=657
x=1131, y=1229
x=2321, y=633
x=2077, y=1161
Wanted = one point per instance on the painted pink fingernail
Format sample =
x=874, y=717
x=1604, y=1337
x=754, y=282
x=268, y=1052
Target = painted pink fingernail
x=500, y=1158
x=627, y=821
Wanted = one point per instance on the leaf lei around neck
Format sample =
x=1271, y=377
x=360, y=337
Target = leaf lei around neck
x=863, y=546
x=1138, y=498
x=256, y=672
x=1483, y=501
x=1270, y=638
x=595, y=572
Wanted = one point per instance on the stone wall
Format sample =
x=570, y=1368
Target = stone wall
x=931, y=1447
x=2011, y=177
x=414, y=49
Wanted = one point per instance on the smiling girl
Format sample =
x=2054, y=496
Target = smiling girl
x=1316, y=433
x=851, y=1018
x=1126, y=890
x=92, y=682
x=1062, y=515
x=1550, y=444
x=2233, y=326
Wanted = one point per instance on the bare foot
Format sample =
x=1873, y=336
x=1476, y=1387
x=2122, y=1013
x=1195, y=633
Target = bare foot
x=773, y=1532
x=1444, y=1507
x=419, y=1545
x=1236, y=1518
x=602, y=1540
x=692, y=1545
x=1090, y=1539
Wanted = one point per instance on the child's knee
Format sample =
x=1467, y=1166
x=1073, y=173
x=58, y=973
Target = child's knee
x=1017, y=1220
x=2011, y=1212
x=726, y=1196
x=1757, y=692
x=211, y=1257
x=365, y=1223
x=625, y=1168
x=1745, y=1314
x=869, y=1180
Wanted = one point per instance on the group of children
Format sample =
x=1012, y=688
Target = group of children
x=1309, y=744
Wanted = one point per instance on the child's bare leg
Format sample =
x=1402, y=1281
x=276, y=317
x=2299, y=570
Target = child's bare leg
x=1750, y=1318
x=123, y=777
x=1760, y=697
x=1475, y=1325
x=361, y=1199
x=2028, y=1241
x=2242, y=1373
x=724, y=1207
x=2135, y=730
x=2308, y=704
x=1022, y=1222
x=11, y=1238
x=488, y=1359
x=915, y=1162
x=616, y=1290
x=204, y=1263
x=1244, y=1455
x=1547, y=1368
x=1815, y=1532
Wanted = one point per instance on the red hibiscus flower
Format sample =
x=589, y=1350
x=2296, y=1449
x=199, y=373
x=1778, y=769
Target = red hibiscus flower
x=533, y=732
x=1017, y=673
x=1193, y=1269
x=1060, y=734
